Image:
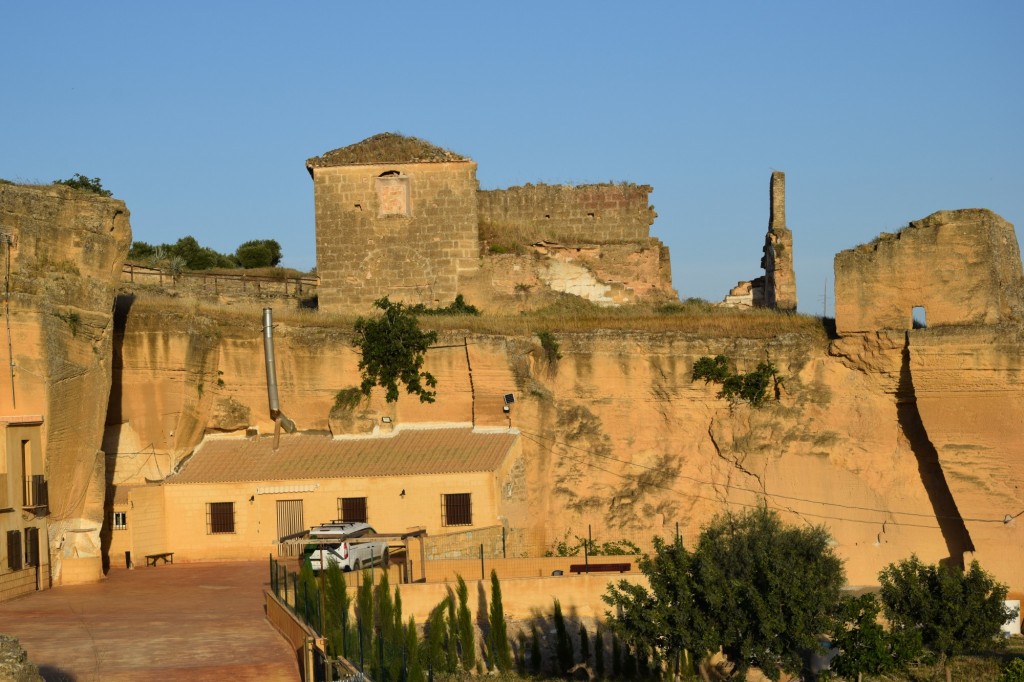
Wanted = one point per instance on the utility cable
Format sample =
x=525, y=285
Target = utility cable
x=534, y=437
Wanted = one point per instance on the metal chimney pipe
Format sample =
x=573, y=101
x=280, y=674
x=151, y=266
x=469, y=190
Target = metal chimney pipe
x=268, y=352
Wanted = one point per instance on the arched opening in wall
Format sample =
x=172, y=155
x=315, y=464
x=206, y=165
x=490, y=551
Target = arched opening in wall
x=393, y=195
x=918, y=319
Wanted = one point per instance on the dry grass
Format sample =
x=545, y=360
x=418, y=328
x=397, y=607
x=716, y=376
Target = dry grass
x=567, y=315
x=386, y=148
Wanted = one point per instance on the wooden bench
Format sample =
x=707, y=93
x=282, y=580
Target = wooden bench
x=600, y=568
x=168, y=558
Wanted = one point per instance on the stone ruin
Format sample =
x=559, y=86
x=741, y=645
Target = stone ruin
x=399, y=217
x=777, y=287
x=956, y=267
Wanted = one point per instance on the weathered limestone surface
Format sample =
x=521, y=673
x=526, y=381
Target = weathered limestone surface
x=616, y=434
x=962, y=266
x=66, y=256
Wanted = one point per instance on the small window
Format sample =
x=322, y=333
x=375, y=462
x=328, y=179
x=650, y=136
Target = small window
x=457, y=509
x=120, y=520
x=220, y=517
x=352, y=509
x=918, y=318
x=14, y=550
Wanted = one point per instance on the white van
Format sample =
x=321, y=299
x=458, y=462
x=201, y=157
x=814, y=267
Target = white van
x=339, y=543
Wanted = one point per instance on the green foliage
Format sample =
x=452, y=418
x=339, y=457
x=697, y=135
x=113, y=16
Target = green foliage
x=952, y=611
x=864, y=645
x=258, y=253
x=392, y=348
x=1014, y=671
x=498, y=647
x=364, y=617
x=338, y=630
x=565, y=547
x=86, y=184
x=72, y=319
x=412, y=653
x=550, y=346
x=457, y=307
x=467, y=634
x=433, y=650
x=761, y=591
x=348, y=399
x=751, y=387
x=307, y=596
x=186, y=252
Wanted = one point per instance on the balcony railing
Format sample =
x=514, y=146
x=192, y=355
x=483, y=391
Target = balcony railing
x=36, y=492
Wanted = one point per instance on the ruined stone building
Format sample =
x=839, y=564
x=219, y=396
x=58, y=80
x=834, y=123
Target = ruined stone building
x=399, y=217
x=777, y=287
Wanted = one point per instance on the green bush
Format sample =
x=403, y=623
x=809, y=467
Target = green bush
x=751, y=387
x=81, y=182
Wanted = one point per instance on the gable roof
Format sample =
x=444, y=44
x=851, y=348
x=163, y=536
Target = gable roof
x=299, y=457
x=384, y=148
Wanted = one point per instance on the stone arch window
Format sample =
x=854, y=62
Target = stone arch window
x=393, y=195
x=918, y=319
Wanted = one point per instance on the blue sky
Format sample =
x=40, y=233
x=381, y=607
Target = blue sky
x=201, y=115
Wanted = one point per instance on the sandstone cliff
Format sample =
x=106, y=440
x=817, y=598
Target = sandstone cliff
x=64, y=255
x=616, y=434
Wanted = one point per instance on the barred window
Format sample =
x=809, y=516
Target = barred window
x=352, y=509
x=220, y=517
x=120, y=521
x=457, y=509
x=14, y=550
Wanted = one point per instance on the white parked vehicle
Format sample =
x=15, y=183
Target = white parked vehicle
x=347, y=545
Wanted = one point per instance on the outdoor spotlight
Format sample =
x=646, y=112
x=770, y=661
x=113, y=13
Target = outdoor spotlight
x=386, y=420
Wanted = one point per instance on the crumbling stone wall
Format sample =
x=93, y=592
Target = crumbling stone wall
x=403, y=230
x=779, y=276
x=962, y=266
x=569, y=214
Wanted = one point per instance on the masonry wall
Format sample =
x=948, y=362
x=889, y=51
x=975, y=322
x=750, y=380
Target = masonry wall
x=565, y=213
x=962, y=267
x=407, y=236
x=256, y=533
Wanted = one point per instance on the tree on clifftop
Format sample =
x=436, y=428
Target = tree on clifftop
x=392, y=348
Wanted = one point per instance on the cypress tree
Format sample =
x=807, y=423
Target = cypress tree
x=616, y=657
x=501, y=653
x=467, y=635
x=413, y=665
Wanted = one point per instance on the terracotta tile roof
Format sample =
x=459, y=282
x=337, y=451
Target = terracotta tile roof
x=410, y=452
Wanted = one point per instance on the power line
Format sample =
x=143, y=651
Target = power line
x=793, y=498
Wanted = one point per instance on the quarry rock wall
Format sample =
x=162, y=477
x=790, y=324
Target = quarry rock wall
x=616, y=434
x=66, y=249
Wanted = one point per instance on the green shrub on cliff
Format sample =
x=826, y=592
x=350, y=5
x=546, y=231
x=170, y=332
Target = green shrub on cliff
x=79, y=181
x=751, y=387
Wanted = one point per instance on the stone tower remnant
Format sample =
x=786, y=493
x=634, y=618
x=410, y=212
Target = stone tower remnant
x=779, y=277
x=397, y=216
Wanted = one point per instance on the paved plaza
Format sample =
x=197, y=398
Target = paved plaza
x=170, y=622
